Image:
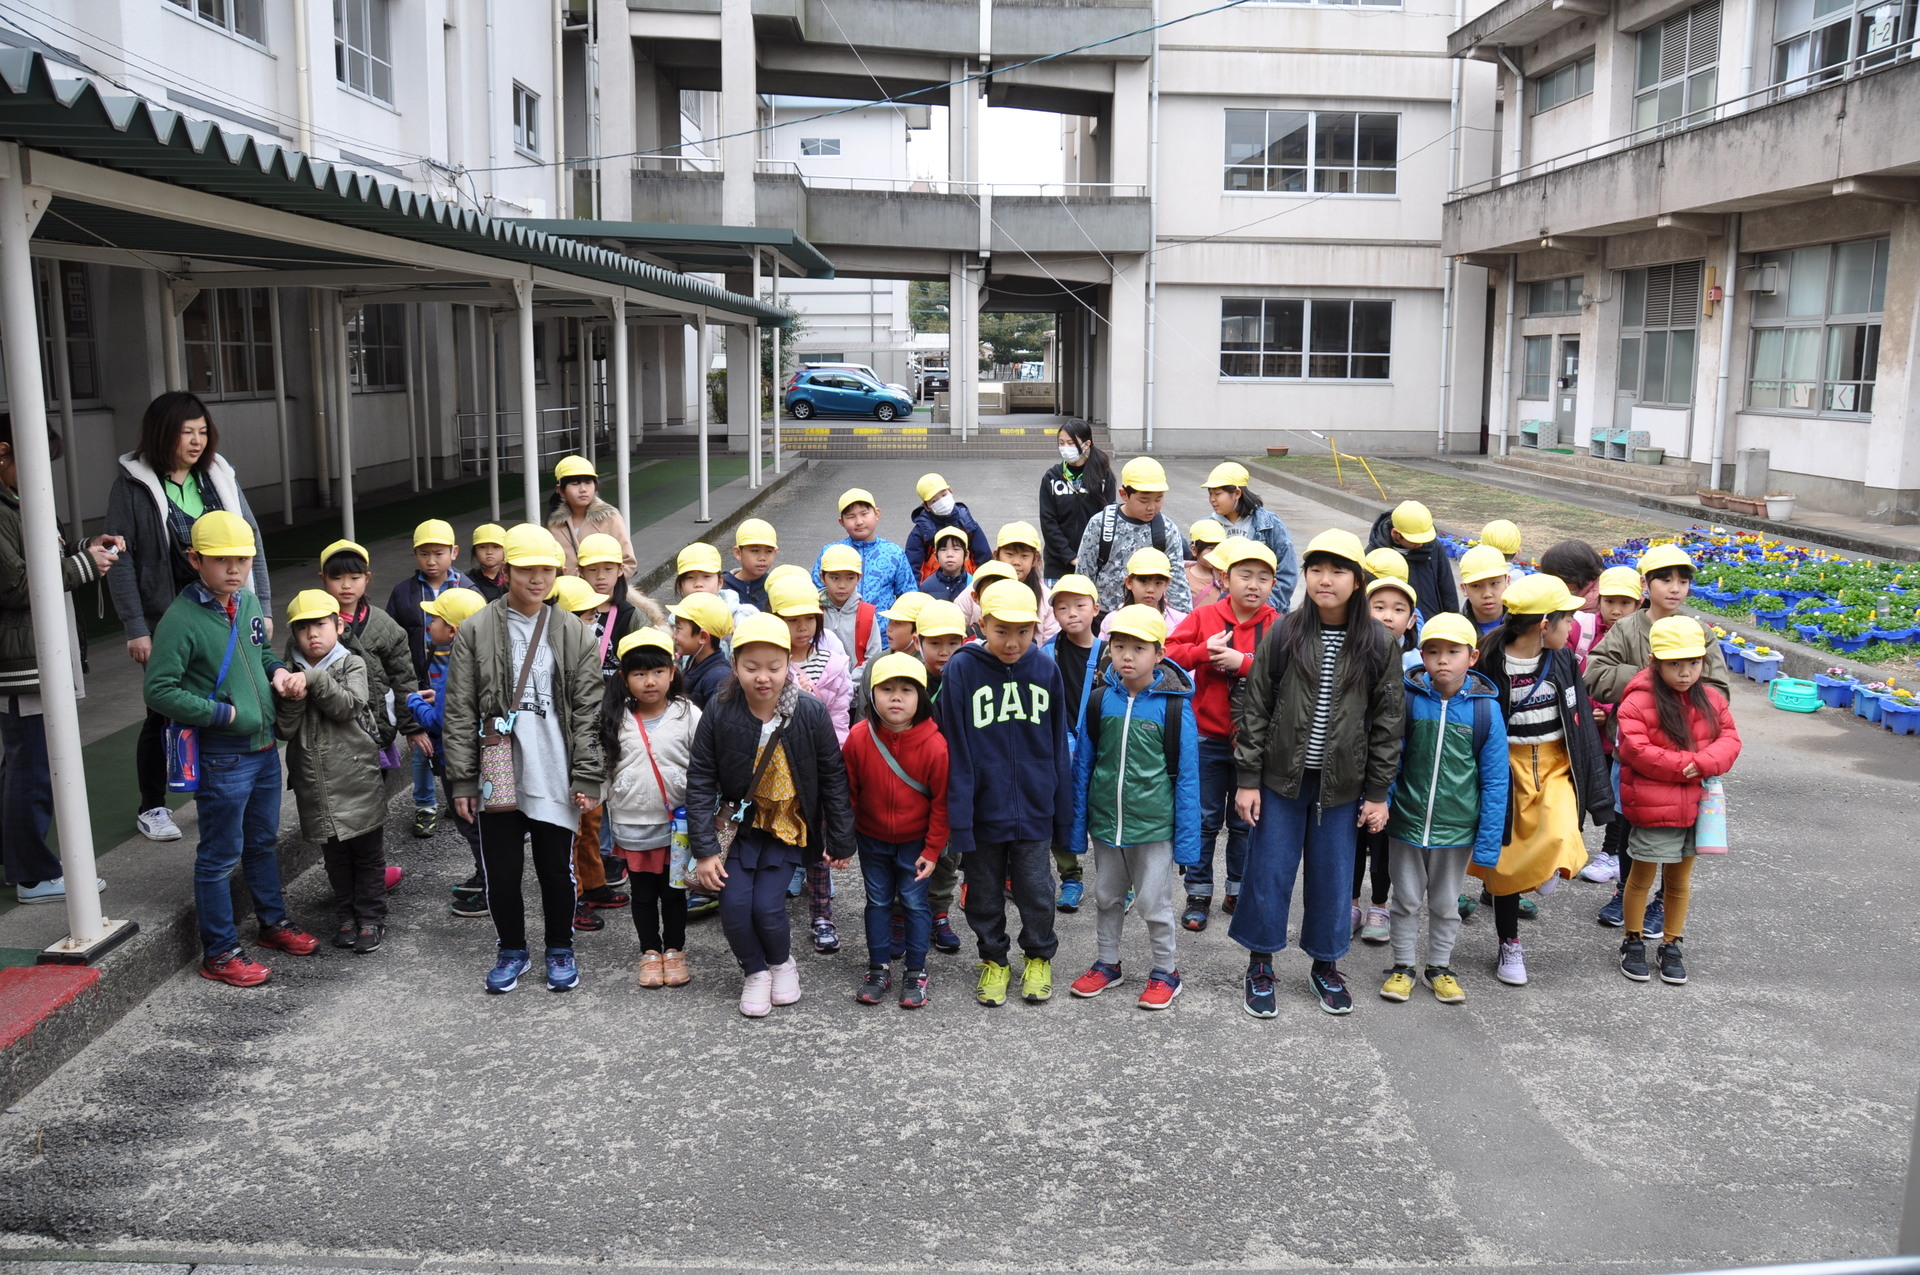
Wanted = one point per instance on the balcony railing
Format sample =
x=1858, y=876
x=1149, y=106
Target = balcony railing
x=941, y=186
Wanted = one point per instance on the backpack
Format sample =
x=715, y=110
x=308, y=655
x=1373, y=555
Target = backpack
x=862, y=631
x=1482, y=723
x=1169, y=733
x=1110, y=525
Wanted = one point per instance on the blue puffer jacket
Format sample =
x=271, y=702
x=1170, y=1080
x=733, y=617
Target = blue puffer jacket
x=1454, y=772
x=1142, y=750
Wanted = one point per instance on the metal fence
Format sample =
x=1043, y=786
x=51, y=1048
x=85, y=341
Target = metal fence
x=559, y=435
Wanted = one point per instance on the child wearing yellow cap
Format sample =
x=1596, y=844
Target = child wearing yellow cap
x=1409, y=528
x=952, y=565
x=854, y=622
x=576, y=512
x=1076, y=647
x=434, y=553
x=486, y=570
x=886, y=574
x=1149, y=582
x=1134, y=522
x=938, y=508
x=346, y=572
x=755, y=548
x=1240, y=511
x=445, y=616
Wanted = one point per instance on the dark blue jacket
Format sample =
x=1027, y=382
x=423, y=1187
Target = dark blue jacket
x=706, y=679
x=937, y=585
x=926, y=524
x=753, y=593
x=1010, y=777
x=403, y=604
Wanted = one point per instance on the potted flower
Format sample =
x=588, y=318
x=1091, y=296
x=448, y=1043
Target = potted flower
x=1763, y=664
x=1848, y=631
x=1835, y=687
x=1867, y=698
x=1771, y=610
x=1714, y=497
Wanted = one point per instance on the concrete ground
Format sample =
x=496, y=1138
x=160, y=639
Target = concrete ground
x=382, y=1111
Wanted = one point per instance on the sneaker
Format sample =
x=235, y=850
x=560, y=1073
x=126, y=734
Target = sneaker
x=234, y=969
x=1071, y=892
x=991, y=990
x=1131, y=895
x=1260, y=1000
x=1672, y=968
x=469, y=905
x=1446, y=988
x=345, y=934
x=756, y=994
x=1359, y=919
x=1036, y=980
x=1195, y=916
x=605, y=897
x=826, y=939
x=475, y=884
x=426, y=821
x=584, y=921
x=1330, y=985
x=786, y=982
x=508, y=966
x=1375, y=929
x=1228, y=904
x=615, y=869
x=54, y=891
x=1399, y=984
x=1601, y=869
x=1614, y=913
x=1467, y=907
x=1654, y=928
x=897, y=938
x=1162, y=986
x=1512, y=969
x=563, y=973
x=944, y=939
x=652, y=970
x=1098, y=978
x=913, y=990
x=287, y=938
x=369, y=939
x=875, y=986
x=395, y=875
x=699, y=905
x=674, y=969
x=1633, y=958
x=797, y=883
x=1529, y=910
x=158, y=825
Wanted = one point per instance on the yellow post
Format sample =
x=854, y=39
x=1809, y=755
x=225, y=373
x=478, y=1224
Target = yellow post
x=1338, y=479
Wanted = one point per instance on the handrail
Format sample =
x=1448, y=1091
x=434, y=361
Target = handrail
x=1854, y=68
x=898, y=185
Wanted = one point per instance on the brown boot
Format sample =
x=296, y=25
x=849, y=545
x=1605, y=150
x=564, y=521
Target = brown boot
x=674, y=968
x=651, y=971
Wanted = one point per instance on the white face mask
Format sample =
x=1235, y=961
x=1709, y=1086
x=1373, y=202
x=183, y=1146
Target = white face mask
x=1070, y=454
x=942, y=506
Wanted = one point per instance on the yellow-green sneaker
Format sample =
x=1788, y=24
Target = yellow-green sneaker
x=1446, y=988
x=1399, y=984
x=992, y=988
x=1036, y=980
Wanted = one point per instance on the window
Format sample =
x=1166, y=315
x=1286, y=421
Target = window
x=1326, y=152
x=1572, y=80
x=1554, y=296
x=362, y=56
x=1678, y=68
x=377, y=349
x=1537, y=377
x=83, y=354
x=240, y=17
x=819, y=146
x=1305, y=339
x=229, y=338
x=1660, y=310
x=1815, y=40
x=1816, y=340
x=526, y=119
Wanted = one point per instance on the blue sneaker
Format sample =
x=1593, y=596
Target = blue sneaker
x=562, y=974
x=698, y=904
x=1071, y=892
x=1655, y=927
x=1615, y=912
x=505, y=975
x=799, y=882
x=1260, y=999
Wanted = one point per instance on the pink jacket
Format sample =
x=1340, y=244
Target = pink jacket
x=835, y=687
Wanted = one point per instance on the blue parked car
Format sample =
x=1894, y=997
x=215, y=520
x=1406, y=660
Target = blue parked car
x=836, y=392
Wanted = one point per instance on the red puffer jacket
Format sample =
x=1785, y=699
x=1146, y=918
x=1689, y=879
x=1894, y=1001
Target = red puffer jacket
x=1654, y=790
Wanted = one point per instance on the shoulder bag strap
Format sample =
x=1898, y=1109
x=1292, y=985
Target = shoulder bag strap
x=526, y=663
x=760, y=767
x=226, y=661
x=886, y=755
x=658, y=778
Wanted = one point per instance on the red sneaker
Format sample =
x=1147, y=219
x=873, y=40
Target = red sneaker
x=234, y=969
x=288, y=939
x=1096, y=980
x=604, y=897
x=395, y=874
x=584, y=920
x=1161, y=988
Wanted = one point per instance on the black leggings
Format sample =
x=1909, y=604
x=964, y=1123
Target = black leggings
x=1371, y=847
x=150, y=761
x=659, y=912
x=1506, y=916
x=504, y=859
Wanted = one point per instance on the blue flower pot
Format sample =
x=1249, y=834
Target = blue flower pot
x=1834, y=692
x=1894, y=635
x=1866, y=703
x=1809, y=632
x=1901, y=719
x=1847, y=646
x=1775, y=620
x=1736, y=657
x=1763, y=668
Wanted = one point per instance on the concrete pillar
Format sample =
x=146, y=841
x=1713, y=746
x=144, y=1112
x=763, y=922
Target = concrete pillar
x=619, y=359
x=343, y=416
x=963, y=361
x=618, y=118
x=1127, y=125
x=673, y=373
x=743, y=392
x=1127, y=321
x=529, y=400
x=703, y=346
x=963, y=124
x=1891, y=475
x=739, y=112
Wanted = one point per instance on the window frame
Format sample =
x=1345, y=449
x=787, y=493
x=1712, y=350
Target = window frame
x=388, y=326
x=230, y=23
x=1855, y=57
x=375, y=17
x=1305, y=334
x=1572, y=287
x=1309, y=165
x=1683, y=281
x=1536, y=382
x=1542, y=87
x=222, y=345
x=1823, y=326
x=1699, y=62
x=818, y=144
x=526, y=131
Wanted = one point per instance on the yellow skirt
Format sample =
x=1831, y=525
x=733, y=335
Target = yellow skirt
x=1546, y=822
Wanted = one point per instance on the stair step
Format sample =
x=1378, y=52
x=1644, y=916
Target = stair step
x=1615, y=474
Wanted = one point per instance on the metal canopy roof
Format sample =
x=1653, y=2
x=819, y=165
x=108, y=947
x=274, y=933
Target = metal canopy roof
x=705, y=248
x=72, y=118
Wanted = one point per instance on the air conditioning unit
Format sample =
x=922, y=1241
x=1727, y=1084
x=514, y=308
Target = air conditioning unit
x=1764, y=279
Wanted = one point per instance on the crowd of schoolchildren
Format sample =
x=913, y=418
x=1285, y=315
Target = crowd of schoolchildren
x=970, y=717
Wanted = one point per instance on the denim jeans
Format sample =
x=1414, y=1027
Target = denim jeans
x=422, y=777
x=888, y=868
x=1217, y=788
x=1292, y=834
x=239, y=804
x=26, y=801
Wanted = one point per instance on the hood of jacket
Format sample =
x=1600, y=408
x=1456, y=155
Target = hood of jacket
x=1381, y=537
x=218, y=472
x=1420, y=687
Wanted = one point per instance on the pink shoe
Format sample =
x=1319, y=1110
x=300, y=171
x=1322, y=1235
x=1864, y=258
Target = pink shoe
x=394, y=875
x=753, y=995
x=786, y=982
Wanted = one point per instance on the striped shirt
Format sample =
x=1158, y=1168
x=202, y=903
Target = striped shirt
x=1331, y=640
x=1533, y=715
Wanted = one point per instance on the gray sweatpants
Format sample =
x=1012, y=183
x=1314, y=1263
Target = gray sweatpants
x=1432, y=877
x=1148, y=870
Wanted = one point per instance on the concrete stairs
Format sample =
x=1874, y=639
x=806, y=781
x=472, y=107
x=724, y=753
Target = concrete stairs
x=1604, y=479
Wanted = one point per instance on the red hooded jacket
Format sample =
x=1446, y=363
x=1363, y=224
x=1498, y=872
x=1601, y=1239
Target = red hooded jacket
x=883, y=807
x=1212, y=689
x=1654, y=790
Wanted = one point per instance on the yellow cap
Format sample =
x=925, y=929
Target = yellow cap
x=761, y=627
x=755, y=531
x=1388, y=582
x=434, y=531
x=1240, y=549
x=312, y=604
x=1449, y=626
x=488, y=533
x=1661, y=557
x=855, y=496
x=988, y=573
x=907, y=606
x=574, y=467
x=1206, y=532
x=1143, y=473
x=1502, y=535
x=649, y=637
x=789, y=597
x=1339, y=544
x=455, y=606
x=1150, y=561
x=1482, y=562
x=1539, y=595
x=1228, y=473
x=953, y=533
x=1011, y=601
x=220, y=534
x=1414, y=521
x=895, y=665
x=1017, y=533
x=940, y=618
x=599, y=547
x=787, y=571
x=1678, y=637
x=1620, y=582
x=575, y=595
x=1143, y=622
x=842, y=558
x=531, y=546
x=347, y=546
x=1071, y=584
x=1386, y=564
x=698, y=556
x=705, y=611
x=929, y=486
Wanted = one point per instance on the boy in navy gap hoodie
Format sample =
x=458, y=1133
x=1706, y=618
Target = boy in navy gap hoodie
x=1009, y=787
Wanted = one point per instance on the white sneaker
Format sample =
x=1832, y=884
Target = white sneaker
x=54, y=891
x=158, y=825
x=1602, y=868
x=1512, y=969
x=786, y=982
x=753, y=995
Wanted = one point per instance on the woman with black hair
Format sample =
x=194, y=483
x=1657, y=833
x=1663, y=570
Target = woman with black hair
x=1071, y=493
x=1239, y=509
